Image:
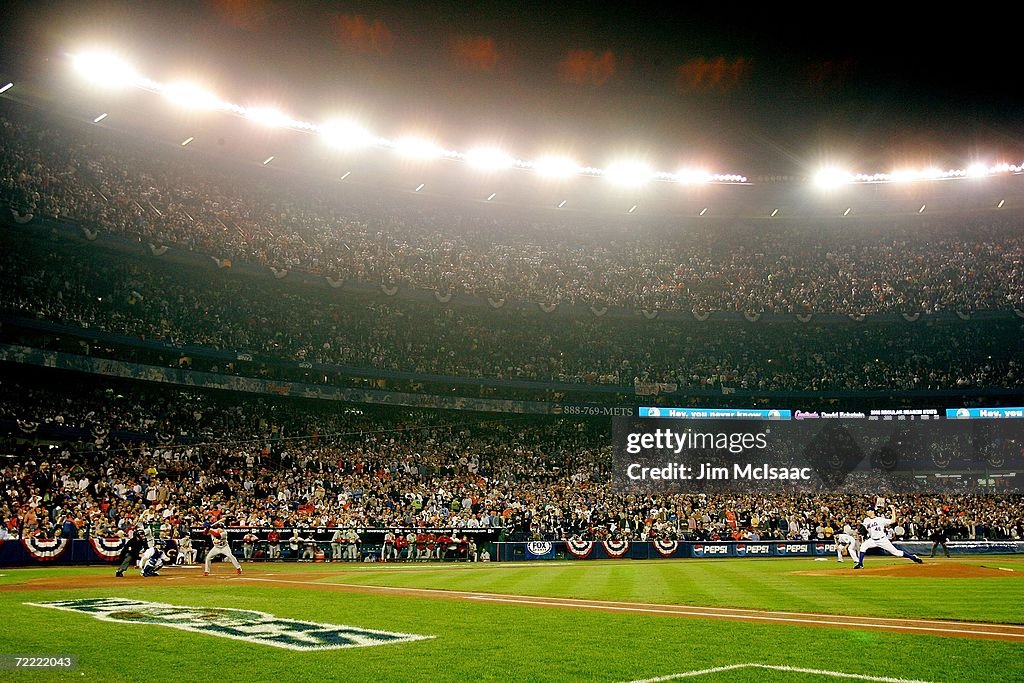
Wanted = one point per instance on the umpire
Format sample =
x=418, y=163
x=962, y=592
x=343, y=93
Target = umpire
x=939, y=537
x=132, y=551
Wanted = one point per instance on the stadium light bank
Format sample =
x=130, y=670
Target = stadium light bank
x=109, y=71
x=830, y=178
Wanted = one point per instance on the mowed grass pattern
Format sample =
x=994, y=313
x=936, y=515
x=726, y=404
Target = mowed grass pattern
x=504, y=642
x=755, y=584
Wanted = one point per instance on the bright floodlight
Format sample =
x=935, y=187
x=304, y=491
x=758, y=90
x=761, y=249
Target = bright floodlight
x=977, y=170
x=692, y=176
x=417, y=148
x=346, y=135
x=831, y=177
x=555, y=167
x=105, y=69
x=488, y=159
x=267, y=116
x=191, y=96
x=628, y=173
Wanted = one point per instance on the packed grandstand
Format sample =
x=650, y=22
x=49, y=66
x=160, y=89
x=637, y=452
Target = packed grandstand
x=164, y=286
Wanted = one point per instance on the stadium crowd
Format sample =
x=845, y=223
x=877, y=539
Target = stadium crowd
x=166, y=196
x=87, y=288
x=191, y=458
x=114, y=456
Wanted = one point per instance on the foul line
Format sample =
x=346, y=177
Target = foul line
x=775, y=667
x=948, y=627
x=780, y=617
x=692, y=674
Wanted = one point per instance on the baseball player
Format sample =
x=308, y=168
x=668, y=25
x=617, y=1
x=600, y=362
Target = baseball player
x=847, y=542
x=337, y=544
x=874, y=528
x=249, y=545
x=150, y=529
x=352, y=545
x=388, y=550
x=132, y=551
x=219, y=536
x=154, y=564
x=273, y=544
x=186, y=553
x=940, y=537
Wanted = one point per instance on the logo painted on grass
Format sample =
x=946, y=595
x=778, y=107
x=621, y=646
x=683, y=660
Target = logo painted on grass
x=239, y=624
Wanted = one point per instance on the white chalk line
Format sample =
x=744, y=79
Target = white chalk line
x=776, y=667
x=691, y=611
x=675, y=607
x=779, y=617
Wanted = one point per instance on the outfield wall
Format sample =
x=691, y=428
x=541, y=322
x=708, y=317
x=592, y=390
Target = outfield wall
x=648, y=550
x=35, y=552
x=38, y=551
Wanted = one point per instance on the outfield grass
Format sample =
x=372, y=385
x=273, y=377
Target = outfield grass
x=498, y=642
x=770, y=584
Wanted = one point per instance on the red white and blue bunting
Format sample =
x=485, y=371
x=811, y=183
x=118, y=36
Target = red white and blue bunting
x=579, y=549
x=615, y=548
x=45, y=549
x=107, y=549
x=666, y=548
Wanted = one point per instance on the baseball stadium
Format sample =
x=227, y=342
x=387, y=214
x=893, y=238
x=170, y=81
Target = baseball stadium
x=367, y=341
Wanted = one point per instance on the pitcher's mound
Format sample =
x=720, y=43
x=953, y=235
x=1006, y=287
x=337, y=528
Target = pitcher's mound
x=933, y=570
x=943, y=570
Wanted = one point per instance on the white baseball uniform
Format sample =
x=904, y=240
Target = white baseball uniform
x=219, y=535
x=147, y=529
x=850, y=543
x=877, y=537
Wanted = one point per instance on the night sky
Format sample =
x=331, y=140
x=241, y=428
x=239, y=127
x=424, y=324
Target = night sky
x=747, y=90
